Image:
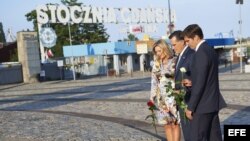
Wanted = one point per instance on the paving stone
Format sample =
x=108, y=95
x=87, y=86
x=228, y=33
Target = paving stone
x=104, y=109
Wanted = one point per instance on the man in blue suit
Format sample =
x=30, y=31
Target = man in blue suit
x=205, y=99
x=184, y=58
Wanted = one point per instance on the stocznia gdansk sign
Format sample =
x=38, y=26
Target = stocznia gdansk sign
x=85, y=14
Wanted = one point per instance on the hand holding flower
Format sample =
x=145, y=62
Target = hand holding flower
x=177, y=91
x=189, y=114
x=152, y=107
x=186, y=82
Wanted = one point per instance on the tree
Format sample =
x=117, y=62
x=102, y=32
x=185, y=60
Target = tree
x=80, y=33
x=13, y=55
x=2, y=35
x=131, y=37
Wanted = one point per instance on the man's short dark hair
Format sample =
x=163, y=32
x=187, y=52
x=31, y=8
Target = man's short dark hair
x=192, y=30
x=177, y=34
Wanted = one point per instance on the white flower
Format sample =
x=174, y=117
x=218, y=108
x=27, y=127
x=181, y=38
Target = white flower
x=183, y=70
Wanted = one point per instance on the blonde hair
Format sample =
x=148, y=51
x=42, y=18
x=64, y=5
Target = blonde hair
x=165, y=49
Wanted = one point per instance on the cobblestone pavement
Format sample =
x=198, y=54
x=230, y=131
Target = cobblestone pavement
x=99, y=109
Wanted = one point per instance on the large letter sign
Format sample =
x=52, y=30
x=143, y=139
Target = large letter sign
x=85, y=14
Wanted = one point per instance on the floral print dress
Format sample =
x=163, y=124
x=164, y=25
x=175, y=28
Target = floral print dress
x=162, y=74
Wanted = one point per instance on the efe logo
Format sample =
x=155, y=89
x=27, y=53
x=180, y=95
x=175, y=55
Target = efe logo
x=236, y=132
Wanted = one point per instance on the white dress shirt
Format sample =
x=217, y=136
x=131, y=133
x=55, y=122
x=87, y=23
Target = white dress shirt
x=197, y=47
x=179, y=58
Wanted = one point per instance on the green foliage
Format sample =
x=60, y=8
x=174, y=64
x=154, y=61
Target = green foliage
x=178, y=96
x=82, y=33
x=14, y=56
x=131, y=37
x=2, y=35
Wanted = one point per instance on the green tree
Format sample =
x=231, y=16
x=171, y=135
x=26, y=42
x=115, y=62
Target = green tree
x=13, y=56
x=131, y=37
x=81, y=33
x=2, y=35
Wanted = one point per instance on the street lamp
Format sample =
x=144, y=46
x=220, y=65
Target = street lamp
x=240, y=2
x=72, y=59
x=169, y=16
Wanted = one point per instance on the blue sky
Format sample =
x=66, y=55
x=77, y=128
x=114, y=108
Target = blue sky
x=213, y=16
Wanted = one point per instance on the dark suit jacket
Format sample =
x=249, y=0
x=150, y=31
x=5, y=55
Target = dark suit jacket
x=205, y=94
x=185, y=62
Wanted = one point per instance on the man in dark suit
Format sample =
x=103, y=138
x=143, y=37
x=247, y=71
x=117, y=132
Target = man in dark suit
x=184, y=54
x=206, y=99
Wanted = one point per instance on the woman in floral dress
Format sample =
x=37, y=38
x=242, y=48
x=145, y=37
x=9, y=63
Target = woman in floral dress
x=162, y=75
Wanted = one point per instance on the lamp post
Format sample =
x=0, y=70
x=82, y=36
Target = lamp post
x=240, y=2
x=72, y=59
x=241, y=53
x=169, y=16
